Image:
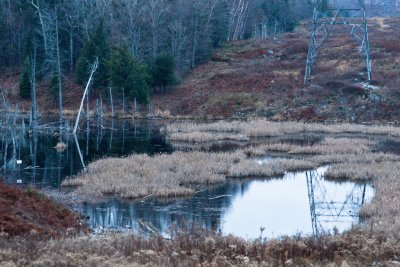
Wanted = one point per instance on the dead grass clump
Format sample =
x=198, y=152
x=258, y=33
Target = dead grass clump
x=189, y=127
x=196, y=247
x=365, y=158
x=264, y=128
x=162, y=175
x=270, y=147
x=293, y=165
x=329, y=146
x=383, y=212
x=335, y=146
x=200, y=137
x=352, y=157
x=275, y=167
x=173, y=174
x=352, y=171
x=250, y=168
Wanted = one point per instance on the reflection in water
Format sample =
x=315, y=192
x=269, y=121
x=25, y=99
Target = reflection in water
x=42, y=165
x=283, y=206
x=299, y=203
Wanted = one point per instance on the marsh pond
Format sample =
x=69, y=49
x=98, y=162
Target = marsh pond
x=297, y=203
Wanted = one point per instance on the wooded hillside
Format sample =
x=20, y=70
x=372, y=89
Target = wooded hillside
x=143, y=46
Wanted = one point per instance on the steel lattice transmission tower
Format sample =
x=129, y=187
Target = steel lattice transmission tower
x=322, y=22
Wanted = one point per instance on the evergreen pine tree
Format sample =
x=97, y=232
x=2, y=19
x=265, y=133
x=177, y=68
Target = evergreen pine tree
x=126, y=73
x=219, y=24
x=53, y=85
x=163, y=72
x=96, y=46
x=25, y=83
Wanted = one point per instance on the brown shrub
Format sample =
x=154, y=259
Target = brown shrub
x=31, y=213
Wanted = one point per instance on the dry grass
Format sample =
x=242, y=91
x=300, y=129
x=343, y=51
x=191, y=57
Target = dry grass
x=250, y=168
x=384, y=211
x=326, y=147
x=264, y=128
x=199, y=137
x=275, y=167
x=356, y=172
x=181, y=173
x=162, y=175
x=366, y=158
x=196, y=247
x=343, y=151
x=352, y=158
x=174, y=174
x=375, y=242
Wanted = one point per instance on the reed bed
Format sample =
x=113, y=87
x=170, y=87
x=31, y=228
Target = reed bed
x=182, y=173
x=327, y=147
x=374, y=242
x=264, y=128
x=350, y=158
x=273, y=168
x=197, y=247
x=365, y=158
x=161, y=175
x=174, y=174
x=352, y=171
x=250, y=168
x=199, y=137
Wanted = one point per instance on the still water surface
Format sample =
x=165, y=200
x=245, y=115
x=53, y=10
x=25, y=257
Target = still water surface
x=299, y=203
x=43, y=165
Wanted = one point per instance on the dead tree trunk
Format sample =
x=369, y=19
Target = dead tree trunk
x=111, y=103
x=42, y=24
x=33, y=88
x=123, y=101
x=93, y=70
x=59, y=71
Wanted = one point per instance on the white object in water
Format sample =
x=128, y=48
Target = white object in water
x=19, y=181
x=19, y=162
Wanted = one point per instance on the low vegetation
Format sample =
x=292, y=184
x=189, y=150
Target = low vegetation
x=193, y=247
x=183, y=173
x=181, y=131
x=353, y=156
x=271, y=70
x=176, y=174
x=29, y=213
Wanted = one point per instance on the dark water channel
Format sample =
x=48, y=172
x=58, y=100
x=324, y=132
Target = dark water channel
x=299, y=203
x=42, y=165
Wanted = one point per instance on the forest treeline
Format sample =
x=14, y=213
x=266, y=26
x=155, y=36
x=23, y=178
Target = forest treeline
x=141, y=45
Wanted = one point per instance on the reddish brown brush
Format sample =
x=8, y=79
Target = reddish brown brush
x=25, y=213
x=272, y=69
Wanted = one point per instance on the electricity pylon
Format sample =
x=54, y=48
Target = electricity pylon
x=322, y=24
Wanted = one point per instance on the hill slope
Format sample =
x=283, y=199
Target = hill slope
x=25, y=213
x=265, y=78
